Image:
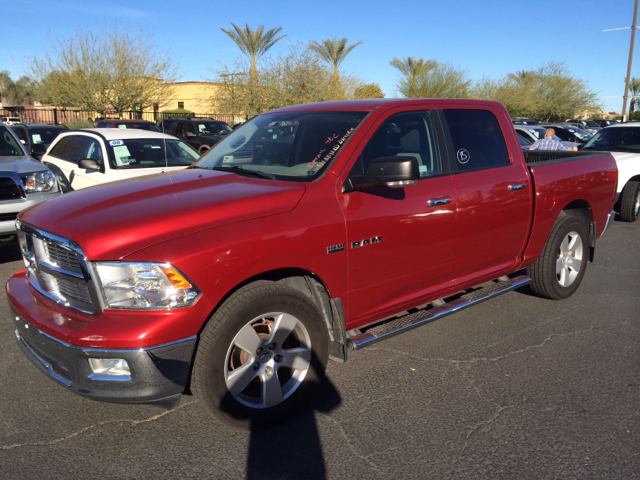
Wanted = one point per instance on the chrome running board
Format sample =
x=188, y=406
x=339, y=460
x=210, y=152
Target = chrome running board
x=397, y=325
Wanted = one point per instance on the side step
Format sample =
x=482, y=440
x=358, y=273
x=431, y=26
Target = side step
x=397, y=325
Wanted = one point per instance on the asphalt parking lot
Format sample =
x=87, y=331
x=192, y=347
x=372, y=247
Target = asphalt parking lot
x=516, y=387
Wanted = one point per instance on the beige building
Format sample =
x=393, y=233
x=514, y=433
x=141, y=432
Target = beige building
x=193, y=95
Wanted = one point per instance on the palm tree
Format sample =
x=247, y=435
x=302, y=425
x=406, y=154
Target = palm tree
x=333, y=51
x=412, y=69
x=634, y=90
x=253, y=43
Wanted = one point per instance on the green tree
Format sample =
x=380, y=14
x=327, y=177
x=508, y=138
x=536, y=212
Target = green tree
x=14, y=93
x=549, y=93
x=411, y=69
x=634, y=90
x=368, y=90
x=430, y=78
x=253, y=43
x=297, y=75
x=333, y=51
x=112, y=68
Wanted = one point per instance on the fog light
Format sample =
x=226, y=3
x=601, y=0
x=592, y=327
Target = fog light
x=109, y=366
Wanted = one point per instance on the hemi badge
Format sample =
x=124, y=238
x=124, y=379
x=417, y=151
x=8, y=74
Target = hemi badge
x=335, y=248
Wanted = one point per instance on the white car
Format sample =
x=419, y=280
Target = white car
x=88, y=157
x=623, y=141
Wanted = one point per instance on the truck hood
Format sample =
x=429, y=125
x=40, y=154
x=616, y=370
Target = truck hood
x=21, y=164
x=114, y=220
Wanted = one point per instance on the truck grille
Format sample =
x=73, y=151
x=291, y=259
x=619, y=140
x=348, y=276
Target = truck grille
x=9, y=190
x=57, y=268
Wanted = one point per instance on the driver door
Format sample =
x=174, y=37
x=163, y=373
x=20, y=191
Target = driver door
x=399, y=246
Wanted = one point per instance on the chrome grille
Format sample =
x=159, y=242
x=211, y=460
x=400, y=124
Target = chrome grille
x=57, y=268
x=74, y=290
x=9, y=190
x=63, y=257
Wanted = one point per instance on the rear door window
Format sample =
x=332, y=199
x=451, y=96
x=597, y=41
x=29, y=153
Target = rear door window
x=477, y=139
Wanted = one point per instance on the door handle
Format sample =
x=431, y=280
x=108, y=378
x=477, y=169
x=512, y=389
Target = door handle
x=432, y=202
x=517, y=186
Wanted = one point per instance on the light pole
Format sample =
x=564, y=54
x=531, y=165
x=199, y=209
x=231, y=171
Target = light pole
x=626, y=78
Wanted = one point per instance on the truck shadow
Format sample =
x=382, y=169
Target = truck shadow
x=9, y=250
x=292, y=449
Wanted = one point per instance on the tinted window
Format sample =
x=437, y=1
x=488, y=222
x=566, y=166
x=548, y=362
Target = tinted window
x=477, y=139
x=74, y=149
x=403, y=135
x=43, y=135
x=213, y=128
x=625, y=139
x=58, y=149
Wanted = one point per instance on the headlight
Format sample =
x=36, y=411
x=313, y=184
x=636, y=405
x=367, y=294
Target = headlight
x=144, y=285
x=43, y=181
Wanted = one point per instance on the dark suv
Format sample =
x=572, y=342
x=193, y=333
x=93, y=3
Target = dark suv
x=200, y=133
x=37, y=137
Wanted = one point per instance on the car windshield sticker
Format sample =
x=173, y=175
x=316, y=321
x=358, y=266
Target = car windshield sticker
x=115, y=143
x=36, y=138
x=122, y=125
x=328, y=151
x=463, y=156
x=227, y=159
x=123, y=156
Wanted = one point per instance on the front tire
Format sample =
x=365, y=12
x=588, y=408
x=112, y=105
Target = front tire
x=630, y=202
x=260, y=356
x=559, y=269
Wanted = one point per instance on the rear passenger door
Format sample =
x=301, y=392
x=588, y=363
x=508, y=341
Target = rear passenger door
x=494, y=194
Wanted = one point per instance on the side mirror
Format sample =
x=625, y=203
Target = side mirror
x=38, y=149
x=394, y=172
x=89, y=164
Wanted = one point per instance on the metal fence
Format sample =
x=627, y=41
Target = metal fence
x=56, y=116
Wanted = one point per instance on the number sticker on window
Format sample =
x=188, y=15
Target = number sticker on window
x=115, y=143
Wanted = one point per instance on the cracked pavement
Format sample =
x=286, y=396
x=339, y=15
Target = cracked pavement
x=516, y=387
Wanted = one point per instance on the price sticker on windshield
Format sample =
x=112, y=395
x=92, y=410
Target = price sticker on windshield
x=115, y=143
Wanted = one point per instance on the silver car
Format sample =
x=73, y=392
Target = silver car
x=23, y=181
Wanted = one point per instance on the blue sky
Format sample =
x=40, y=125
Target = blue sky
x=485, y=37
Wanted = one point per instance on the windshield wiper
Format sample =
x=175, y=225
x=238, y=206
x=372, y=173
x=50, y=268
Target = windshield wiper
x=241, y=171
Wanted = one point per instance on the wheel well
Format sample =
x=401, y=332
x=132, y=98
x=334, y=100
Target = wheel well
x=581, y=210
x=313, y=287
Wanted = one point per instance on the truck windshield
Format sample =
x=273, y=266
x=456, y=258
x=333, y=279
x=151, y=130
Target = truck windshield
x=285, y=145
x=150, y=152
x=9, y=146
x=615, y=139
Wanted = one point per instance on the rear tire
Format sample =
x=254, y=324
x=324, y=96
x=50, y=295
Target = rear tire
x=559, y=269
x=630, y=202
x=260, y=356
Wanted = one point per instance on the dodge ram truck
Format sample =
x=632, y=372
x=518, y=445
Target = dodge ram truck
x=308, y=232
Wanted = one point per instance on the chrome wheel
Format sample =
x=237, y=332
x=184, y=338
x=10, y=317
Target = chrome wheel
x=570, y=257
x=267, y=360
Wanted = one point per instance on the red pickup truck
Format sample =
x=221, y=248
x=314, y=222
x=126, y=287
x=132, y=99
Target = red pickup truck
x=310, y=231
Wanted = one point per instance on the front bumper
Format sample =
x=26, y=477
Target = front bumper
x=157, y=373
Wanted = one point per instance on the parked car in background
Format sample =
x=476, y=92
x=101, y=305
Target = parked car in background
x=604, y=122
x=125, y=123
x=536, y=132
x=200, y=133
x=10, y=120
x=623, y=141
x=524, y=121
x=571, y=133
x=588, y=125
x=37, y=137
x=525, y=143
x=83, y=158
x=23, y=181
